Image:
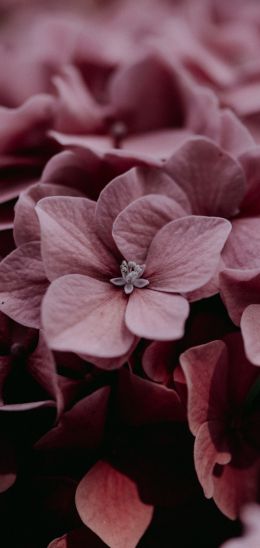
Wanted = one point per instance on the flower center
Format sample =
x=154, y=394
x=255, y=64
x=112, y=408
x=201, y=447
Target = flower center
x=131, y=277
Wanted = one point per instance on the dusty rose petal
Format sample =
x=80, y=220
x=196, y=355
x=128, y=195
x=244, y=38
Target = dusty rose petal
x=202, y=365
x=210, y=288
x=235, y=487
x=86, y=316
x=26, y=226
x=23, y=283
x=135, y=227
x=250, y=326
x=20, y=125
x=185, y=253
x=156, y=315
x=111, y=363
x=108, y=503
x=158, y=360
x=213, y=181
x=235, y=138
x=157, y=144
x=209, y=436
x=238, y=289
x=69, y=243
x=242, y=249
x=76, y=108
x=128, y=187
x=147, y=82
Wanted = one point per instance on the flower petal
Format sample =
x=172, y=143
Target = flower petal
x=135, y=227
x=26, y=224
x=185, y=253
x=68, y=239
x=242, y=249
x=126, y=188
x=86, y=316
x=207, y=400
x=23, y=283
x=210, y=449
x=239, y=288
x=108, y=503
x=213, y=181
x=154, y=315
x=250, y=326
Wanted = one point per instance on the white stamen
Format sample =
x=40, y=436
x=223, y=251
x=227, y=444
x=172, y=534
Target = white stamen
x=131, y=274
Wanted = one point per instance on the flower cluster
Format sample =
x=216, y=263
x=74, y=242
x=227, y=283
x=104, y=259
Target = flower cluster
x=130, y=274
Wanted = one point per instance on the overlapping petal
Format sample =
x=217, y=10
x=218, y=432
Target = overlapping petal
x=69, y=243
x=108, y=503
x=23, y=283
x=135, y=227
x=86, y=316
x=184, y=254
x=213, y=181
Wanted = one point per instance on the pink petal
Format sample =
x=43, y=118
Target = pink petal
x=128, y=187
x=209, y=449
x=185, y=253
x=146, y=95
x=111, y=363
x=135, y=227
x=68, y=239
x=235, y=138
x=97, y=149
x=156, y=315
x=236, y=487
x=108, y=503
x=20, y=126
x=206, y=370
x=158, y=360
x=242, y=249
x=64, y=167
x=239, y=288
x=26, y=225
x=76, y=109
x=157, y=144
x=250, y=326
x=86, y=316
x=213, y=181
x=23, y=283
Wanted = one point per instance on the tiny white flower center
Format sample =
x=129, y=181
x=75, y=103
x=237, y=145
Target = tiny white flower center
x=131, y=277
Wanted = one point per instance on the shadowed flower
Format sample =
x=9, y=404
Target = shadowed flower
x=223, y=415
